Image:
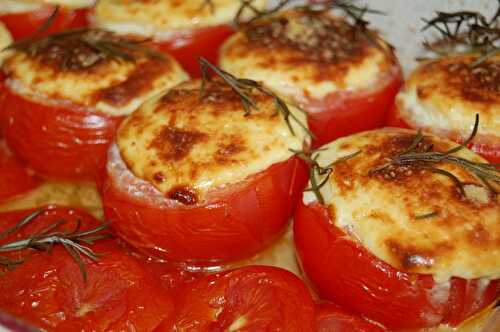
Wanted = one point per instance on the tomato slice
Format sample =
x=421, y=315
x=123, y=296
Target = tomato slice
x=490, y=152
x=239, y=221
x=56, y=141
x=23, y=25
x=256, y=298
x=332, y=318
x=347, y=274
x=188, y=47
x=48, y=289
x=15, y=177
x=344, y=113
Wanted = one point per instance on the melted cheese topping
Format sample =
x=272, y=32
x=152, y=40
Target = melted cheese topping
x=111, y=87
x=161, y=18
x=5, y=40
x=308, y=56
x=385, y=211
x=184, y=145
x=443, y=96
x=23, y=6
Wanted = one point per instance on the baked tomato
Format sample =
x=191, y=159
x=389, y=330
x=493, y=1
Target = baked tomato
x=332, y=318
x=25, y=24
x=187, y=47
x=15, y=177
x=76, y=140
x=48, y=290
x=349, y=275
x=344, y=113
x=490, y=152
x=256, y=298
x=242, y=219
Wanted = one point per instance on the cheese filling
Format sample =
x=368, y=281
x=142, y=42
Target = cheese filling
x=182, y=144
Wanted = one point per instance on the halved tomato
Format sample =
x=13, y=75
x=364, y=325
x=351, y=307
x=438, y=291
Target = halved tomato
x=48, y=290
x=344, y=113
x=25, y=24
x=490, y=152
x=256, y=298
x=347, y=274
x=332, y=318
x=188, y=46
x=57, y=141
x=238, y=221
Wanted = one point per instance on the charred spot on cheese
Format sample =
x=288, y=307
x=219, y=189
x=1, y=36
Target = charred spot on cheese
x=308, y=55
x=443, y=95
x=183, y=194
x=205, y=142
x=90, y=69
x=408, y=215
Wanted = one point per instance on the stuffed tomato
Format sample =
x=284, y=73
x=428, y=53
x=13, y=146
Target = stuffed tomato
x=192, y=177
x=345, y=77
x=442, y=96
x=65, y=95
x=398, y=237
x=85, y=281
x=24, y=18
x=184, y=29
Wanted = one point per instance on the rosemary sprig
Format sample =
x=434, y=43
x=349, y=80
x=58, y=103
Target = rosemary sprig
x=427, y=159
x=81, y=48
x=75, y=242
x=464, y=32
x=244, y=88
x=318, y=174
x=427, y=215
x=256, y=13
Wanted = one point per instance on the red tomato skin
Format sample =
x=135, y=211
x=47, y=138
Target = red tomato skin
x=332, y=318
x=345, y=273
x=490, y=152
x=58, y=142
x=203, y=42
x=270, y=299
x=15, y=178
x=228, y=228
x=48, y=290
x=23, y=25
x=341, y=114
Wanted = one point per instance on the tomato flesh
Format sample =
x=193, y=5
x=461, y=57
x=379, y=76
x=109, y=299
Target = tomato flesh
x=23, y=25
x=203, y=42
x=248, y=299
x=57, y=142
x=234, y=225
x=48, y=289
x=332, y=318
x=344, y=113
x=347, y=274
x=490, y=152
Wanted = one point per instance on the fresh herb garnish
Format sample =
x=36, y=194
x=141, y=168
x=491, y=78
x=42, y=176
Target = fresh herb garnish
x=244, y=88
x=75, y=242
x=465, y=32
x=318, y=174
x=427, y=215
x=84, y=47
x=422, y=156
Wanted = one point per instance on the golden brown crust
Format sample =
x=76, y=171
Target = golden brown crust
x=410, y=216
x=198, y=142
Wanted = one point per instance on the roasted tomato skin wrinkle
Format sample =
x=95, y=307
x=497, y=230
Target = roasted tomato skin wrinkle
x=347, y=274
x=235, y=225
x=203, y=42
x=23, y=25
x=56, y=141
x=332, y=318
x=249, y=299
x=48, y=290
x=488, y=151
x=344, y=113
